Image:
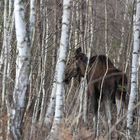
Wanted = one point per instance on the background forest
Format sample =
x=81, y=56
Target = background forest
x=37, y=38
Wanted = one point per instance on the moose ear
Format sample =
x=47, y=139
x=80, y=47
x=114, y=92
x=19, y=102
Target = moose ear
x=78, y=51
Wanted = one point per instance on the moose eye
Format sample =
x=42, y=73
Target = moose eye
x=81, y=58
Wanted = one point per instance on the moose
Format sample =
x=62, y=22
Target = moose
x=104, y=81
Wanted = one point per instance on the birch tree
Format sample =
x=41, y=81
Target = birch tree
x=32, y=30
x=134, y=68
x=61, y=66
x=123, y=32
x=22, y=71
x=5, y=60
x=6, y=48
x=4, y=34
x=32, y=20
x=51, y=107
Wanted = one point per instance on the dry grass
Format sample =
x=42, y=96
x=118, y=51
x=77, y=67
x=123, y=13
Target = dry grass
x=74, y=131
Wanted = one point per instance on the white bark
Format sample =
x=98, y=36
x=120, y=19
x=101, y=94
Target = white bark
x=4, y=52
x=5, y=33
x=139, y=61
x=106, y=28
x=123, y=32
x=5, y=61
x=11, y=4
x=81, y=99
x=85, y=84
x=44, y=59
x=7, y=70
x=32, y=30
x=134, y=70
x=32, y=18
x=61, y=65
x=23, y=51
x=22, y=70
x=51, y=107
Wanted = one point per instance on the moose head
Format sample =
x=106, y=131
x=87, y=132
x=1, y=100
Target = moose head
x=76, y=66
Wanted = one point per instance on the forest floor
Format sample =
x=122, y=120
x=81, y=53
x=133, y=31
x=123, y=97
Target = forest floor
x=73, y=131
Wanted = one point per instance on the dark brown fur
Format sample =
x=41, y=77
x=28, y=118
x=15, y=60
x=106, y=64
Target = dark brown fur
x=114, y=79
x=102, y=77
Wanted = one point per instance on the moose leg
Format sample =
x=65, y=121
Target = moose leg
x=107, y=105
x=118, y=106
x=94, y=104
x=121, y=108
x=95, y=114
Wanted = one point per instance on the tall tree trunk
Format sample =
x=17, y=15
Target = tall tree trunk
x=51, y=107
x=5, y=61
x=32, y=19
x=123, y=32
x=4, y=53
x=61, y=67
x=134, y=68
x=22, y=71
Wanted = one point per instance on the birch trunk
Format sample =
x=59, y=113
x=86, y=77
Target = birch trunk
x=4, y=34
x=51, y=107
x=43, y=74
x=4, y=53
x=37, y=102
x=5, y=61
x=91, y=27
x=8, y=67
x=22, y=71
x=134, y=68
x=61, y=66
x=123, y=32
x=44, y=53
x=32, y=31
x=32, y=18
